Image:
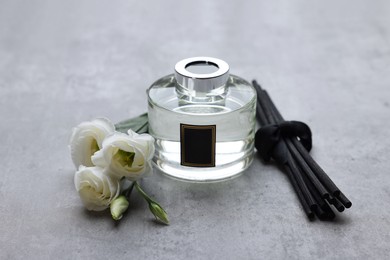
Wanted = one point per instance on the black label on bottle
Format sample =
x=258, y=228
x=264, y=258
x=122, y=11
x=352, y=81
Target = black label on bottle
x=197, y=144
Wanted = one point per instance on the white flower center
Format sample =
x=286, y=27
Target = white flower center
x=125, y=159
x=94, y=146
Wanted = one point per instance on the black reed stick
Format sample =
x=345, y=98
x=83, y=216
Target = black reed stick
x=301, y=197
x=344, y=200
x=295, y=175
x=309, y=173
x=301, y=183
x=317, y=170
x=310, y=182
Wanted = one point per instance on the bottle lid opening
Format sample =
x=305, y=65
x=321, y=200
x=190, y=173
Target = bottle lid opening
x=202, y=67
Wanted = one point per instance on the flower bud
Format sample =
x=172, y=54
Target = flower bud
x=158, y=212
x=118, y=207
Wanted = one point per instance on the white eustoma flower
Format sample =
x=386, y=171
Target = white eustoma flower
x=96, y=188
x=87, y=138
x=126, y=155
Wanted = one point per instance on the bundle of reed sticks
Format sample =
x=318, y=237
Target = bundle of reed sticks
x=315, y=190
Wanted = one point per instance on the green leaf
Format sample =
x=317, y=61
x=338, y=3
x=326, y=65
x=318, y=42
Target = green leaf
x=138, y=124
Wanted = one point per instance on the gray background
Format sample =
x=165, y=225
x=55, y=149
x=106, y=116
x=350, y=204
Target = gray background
x=323, y=62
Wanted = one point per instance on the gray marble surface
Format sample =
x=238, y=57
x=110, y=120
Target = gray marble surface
x=323, y=62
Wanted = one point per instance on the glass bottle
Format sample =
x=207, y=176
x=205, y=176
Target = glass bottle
x=203, y=120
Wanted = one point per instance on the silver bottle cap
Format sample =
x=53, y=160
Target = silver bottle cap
x=199, y=84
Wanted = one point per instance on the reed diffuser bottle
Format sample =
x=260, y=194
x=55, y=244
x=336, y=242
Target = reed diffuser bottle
x=203, y=120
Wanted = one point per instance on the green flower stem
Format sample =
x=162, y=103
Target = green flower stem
x=156, y=209
x=143, y=193
x=128, y=191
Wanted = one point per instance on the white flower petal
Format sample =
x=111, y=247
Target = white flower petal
x=96, y=188
x=84, y=135
x=98, y=159
x=131, y=133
